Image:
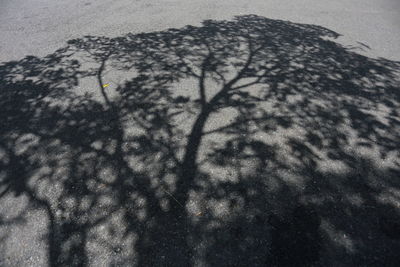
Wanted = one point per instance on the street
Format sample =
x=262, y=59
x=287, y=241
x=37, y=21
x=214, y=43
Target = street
x=199, y=133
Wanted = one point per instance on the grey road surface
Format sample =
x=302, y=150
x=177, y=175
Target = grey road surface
x=88, y=178
x=38, y=27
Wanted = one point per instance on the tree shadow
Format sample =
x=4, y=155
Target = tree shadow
x=251, y=141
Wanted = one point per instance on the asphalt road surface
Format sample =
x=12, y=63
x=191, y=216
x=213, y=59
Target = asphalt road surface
x=266, y=133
